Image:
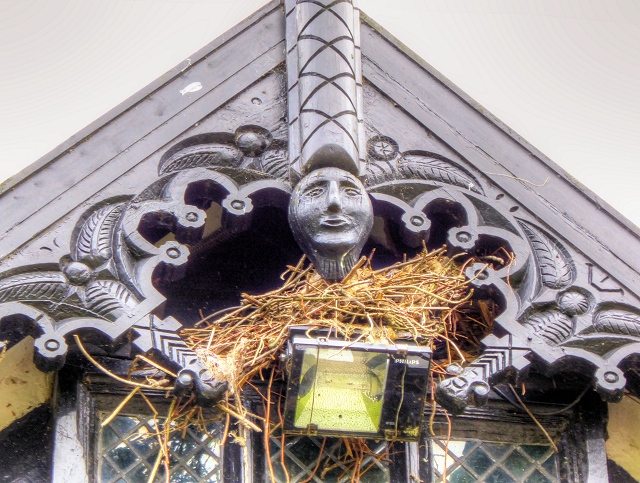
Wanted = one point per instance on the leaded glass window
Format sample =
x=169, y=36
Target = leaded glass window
x=128, y=449
x=470, y=461
x=327, y=460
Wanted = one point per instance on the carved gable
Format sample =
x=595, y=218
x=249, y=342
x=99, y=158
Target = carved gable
x=178, y=201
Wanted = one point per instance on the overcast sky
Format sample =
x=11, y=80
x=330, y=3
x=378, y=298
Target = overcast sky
x=564, y=74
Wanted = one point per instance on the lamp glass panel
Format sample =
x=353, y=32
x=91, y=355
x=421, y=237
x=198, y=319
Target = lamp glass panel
x=341, y=389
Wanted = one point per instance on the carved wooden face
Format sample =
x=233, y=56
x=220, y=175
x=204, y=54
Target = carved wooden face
x=331, y=216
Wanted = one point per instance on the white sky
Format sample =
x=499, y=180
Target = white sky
x=564, y=74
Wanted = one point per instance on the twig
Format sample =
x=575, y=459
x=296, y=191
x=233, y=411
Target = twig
x=267, y=432
x=106, y=371
x=241, y=419
x=117, y=410
x=535, y=420
x=156, y=365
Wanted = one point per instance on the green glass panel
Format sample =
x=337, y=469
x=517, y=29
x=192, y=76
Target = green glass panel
x=479, y=462
x=537, y=477
x=499, y=476
x=182, y=447
x=374, y=475
x=124, y=424
x=122, y=456
x=305, y=450
x=182, y=476
x=108, y=437
x=140, y=474
x=143, y=444
x=551, y=465
x=536, y=451
x=202, y=463
x=341, y=389
x=517, y=464
x=497, y=449
x=107, y=472
x=460, y=475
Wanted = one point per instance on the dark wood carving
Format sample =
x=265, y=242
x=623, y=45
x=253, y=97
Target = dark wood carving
x=555, y=305
x=554, y=263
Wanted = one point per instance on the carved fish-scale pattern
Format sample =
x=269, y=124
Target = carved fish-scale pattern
x=554, y=262
x=94, y=242
x=202, y=156
x=38, y=286
x=616, y=321
x=430, y=167
x=554, y=327
x=109, y=298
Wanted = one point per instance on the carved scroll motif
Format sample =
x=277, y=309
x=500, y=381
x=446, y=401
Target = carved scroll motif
x=104, y=286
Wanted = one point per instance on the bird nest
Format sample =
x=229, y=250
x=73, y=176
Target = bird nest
x=426, y=299
x=423, y=300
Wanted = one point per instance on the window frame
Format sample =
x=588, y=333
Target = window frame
x=580, y=430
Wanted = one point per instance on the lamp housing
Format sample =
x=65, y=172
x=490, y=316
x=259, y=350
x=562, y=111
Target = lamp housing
x=354, y=389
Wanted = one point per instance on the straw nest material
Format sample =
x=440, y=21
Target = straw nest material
x=426, y=299
x=420, y=300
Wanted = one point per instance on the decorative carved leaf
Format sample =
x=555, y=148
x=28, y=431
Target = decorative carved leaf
x=617, y=321
x=34, y=287
x=125, y=265
x=554, y=327
x=202, y=156
x=61, y=311
x=380, y=171
x=275, y=162
x=109, y=298
x=94, y=241
x=420, y=166
x=556, y=267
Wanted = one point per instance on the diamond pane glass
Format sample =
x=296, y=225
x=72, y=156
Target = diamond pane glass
x=517, y=464
x=306, y=462
x=470, y=461
x=499, y=476
x=538, y=477
x=107, y=473
x=128, y=449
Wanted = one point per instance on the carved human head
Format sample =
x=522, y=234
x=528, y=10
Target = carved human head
x=331, y=217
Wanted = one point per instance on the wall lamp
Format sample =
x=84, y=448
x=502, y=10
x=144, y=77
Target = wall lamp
x=354, y=389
